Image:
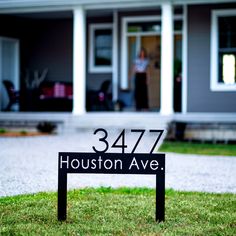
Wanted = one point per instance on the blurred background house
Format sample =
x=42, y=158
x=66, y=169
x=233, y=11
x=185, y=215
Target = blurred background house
x=58, y=55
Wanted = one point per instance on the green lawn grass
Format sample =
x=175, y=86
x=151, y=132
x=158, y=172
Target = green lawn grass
x=199, y=148
x=124, y=211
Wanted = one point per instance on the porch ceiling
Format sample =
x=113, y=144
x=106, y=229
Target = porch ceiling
x=46, y=15
x=109, y=12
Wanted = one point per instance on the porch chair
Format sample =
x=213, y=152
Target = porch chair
x=13, y=95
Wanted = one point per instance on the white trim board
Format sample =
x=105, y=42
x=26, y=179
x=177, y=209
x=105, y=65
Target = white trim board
x=115, y=57
x=67, y=6
x=214, y=84
x=185, y=61
x=24, y=6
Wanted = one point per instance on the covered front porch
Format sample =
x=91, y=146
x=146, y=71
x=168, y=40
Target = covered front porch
x=204, y=127
x=55, y=63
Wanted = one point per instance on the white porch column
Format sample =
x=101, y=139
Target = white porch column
x=167, y=59
x=79, y=61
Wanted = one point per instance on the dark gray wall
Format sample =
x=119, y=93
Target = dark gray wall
x=199, y=96
x=44, y=43
x=51, y=48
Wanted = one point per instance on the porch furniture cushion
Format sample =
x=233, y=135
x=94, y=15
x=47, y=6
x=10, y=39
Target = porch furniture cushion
x=55, y=96
x=56, y=90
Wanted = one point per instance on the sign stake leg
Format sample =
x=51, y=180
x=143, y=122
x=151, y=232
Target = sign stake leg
x=160, y=197
x=62, y=195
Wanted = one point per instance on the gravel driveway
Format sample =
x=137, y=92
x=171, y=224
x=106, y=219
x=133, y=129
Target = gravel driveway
x=29, y=165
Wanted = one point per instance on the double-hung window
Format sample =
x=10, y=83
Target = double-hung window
x=100, y=54
x=223, y=50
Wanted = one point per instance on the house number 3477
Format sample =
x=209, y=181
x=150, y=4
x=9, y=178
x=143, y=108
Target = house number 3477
x=120, y=140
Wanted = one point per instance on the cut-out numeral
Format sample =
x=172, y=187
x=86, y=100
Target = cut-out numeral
x=158, y=137
x=121, y=139
x=103, y=139
x=122, y=145
x=141, y=131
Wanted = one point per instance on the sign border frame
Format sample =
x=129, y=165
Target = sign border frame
x=62, y=184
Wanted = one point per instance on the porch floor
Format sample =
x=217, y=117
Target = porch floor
x=147, y=120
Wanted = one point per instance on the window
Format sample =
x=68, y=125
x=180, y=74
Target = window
x=223, y=50
x=100, y=55
x=178, y=25
x=136, y=27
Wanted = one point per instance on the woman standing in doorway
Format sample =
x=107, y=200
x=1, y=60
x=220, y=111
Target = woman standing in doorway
x=141, y=71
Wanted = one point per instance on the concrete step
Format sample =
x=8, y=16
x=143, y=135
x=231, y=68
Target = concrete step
x=117, y=121
x=198, y=126
x=92, y=120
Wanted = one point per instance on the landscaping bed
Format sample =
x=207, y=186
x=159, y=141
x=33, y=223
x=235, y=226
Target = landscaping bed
x=22, y=133
x=44, y=128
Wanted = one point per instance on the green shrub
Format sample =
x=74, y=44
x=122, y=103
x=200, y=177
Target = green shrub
x=2, y=131
x=46, y=127
x=23, y=132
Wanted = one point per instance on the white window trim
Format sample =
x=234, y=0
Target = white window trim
x=115, y=57
x=92, y=67
x=214, y=84
x=185, y=60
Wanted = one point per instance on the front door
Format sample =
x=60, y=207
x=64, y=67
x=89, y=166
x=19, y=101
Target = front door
x=152, y=45
x=145, y=31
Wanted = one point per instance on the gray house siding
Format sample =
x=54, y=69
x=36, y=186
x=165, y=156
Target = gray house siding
x=52, y=48
x=199, y=96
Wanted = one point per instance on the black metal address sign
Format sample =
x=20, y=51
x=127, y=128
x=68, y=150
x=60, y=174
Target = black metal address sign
x=101, y=162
